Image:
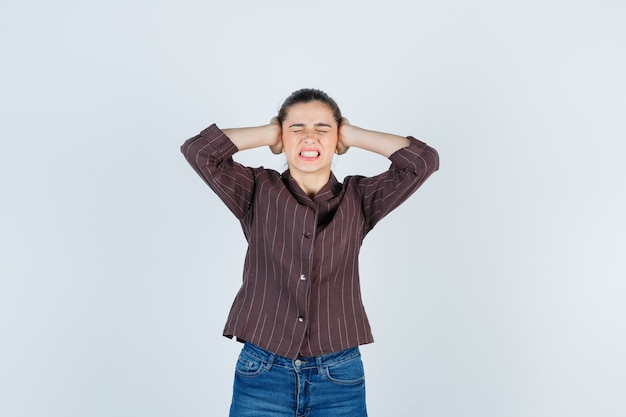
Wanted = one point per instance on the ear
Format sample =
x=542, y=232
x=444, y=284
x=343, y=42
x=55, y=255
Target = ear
x=278, y=148
x=341, y=149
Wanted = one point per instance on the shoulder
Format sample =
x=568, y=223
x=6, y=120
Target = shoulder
x=266, y=177
x=352, y=183
x=262, y=172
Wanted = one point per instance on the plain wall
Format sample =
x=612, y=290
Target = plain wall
x=497, y=290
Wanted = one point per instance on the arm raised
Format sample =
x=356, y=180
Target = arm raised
x=254, y=137
x=385, y=144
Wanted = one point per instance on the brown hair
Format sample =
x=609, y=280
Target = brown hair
x=306, y=95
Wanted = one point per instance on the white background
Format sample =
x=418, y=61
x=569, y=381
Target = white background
x=497, y=290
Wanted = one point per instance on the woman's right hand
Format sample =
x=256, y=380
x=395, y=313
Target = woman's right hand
x=277, y=136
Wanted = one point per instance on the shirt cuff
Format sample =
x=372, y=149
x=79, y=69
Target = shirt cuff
x=222, y=146
x=403, y=157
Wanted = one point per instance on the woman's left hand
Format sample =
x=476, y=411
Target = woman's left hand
x=342, y=143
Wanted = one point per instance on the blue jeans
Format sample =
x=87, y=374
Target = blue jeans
x=268, y=385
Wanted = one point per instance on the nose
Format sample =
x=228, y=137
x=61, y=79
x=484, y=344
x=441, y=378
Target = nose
x=310, y=135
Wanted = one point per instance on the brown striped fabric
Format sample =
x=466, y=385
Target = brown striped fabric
x=301, y=293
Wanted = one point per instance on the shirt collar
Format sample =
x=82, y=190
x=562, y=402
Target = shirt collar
x=330, y=190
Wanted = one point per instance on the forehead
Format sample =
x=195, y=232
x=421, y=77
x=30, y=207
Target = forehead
x=312, y=110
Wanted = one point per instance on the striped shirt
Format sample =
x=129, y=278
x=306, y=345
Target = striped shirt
x=300, y=293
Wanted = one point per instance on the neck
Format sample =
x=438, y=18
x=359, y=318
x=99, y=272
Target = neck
x=311, y=183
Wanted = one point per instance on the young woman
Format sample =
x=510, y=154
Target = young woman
x=299, y=310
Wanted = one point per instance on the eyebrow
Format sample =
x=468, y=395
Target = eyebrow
x=316, y=124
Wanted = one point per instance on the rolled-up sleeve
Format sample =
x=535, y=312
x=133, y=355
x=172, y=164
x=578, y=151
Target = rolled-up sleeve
x=410, y=168
x=210, y=155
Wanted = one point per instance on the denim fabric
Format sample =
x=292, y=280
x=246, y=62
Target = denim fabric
x=268, y=385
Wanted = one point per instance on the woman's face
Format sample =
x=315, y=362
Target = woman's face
x=310, y=138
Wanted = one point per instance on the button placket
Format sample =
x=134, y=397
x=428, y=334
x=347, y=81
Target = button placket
x=301, y=280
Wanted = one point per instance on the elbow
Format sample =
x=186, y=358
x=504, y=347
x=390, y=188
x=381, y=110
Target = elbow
x=184, y=148
x=431, y=157
x=190, y=148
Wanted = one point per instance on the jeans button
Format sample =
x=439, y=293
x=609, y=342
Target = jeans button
x=298, y=362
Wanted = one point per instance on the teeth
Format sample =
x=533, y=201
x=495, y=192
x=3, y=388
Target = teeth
x=309, y=154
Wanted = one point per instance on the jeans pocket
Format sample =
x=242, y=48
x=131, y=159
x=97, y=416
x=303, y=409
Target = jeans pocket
x=249, y=366
x=350, y=372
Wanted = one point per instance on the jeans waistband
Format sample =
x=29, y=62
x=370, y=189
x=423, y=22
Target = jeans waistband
x=301, y=362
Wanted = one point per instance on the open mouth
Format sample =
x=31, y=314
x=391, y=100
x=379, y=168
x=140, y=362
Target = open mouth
x=309, y=154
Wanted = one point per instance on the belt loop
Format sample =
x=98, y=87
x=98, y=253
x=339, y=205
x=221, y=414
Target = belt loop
x=320, y=365
x=270, y=361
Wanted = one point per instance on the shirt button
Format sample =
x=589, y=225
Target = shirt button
x=307, y=234
x=302, y=277
x=301, y=319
